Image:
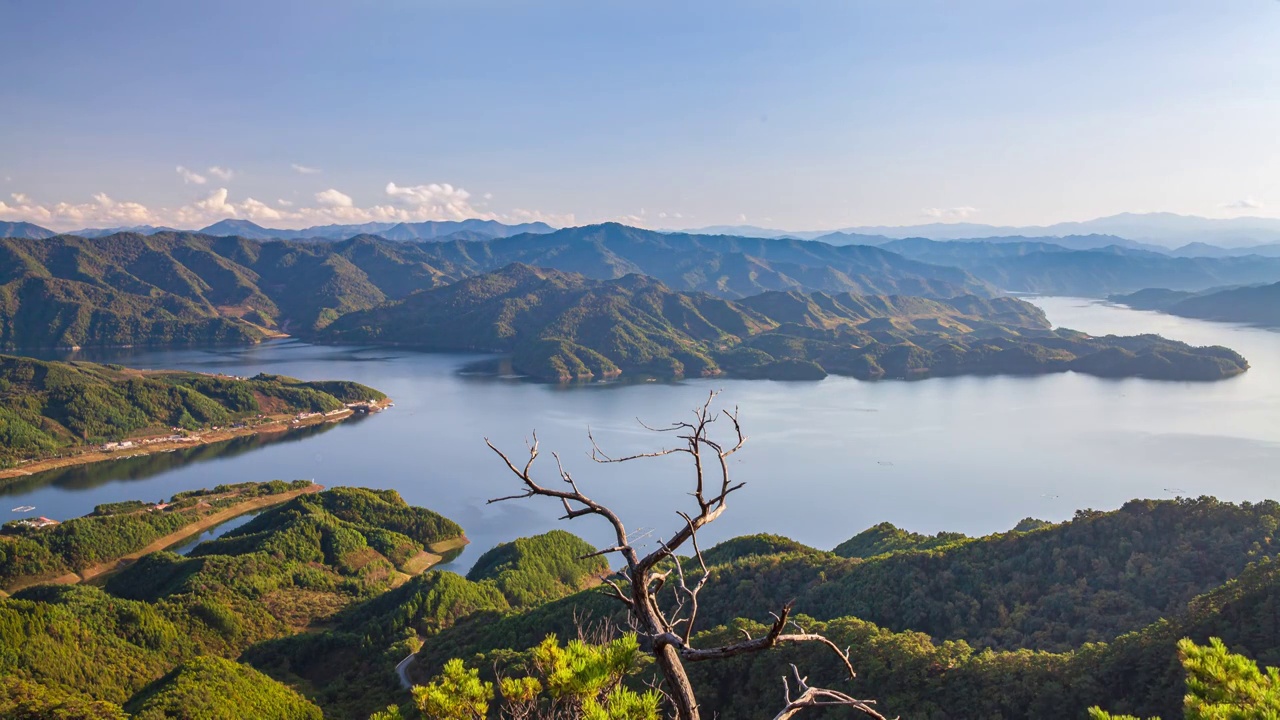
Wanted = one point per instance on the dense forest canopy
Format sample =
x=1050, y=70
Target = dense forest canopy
x=309, y=608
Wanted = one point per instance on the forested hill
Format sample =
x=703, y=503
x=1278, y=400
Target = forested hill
x=52, y=407
x=1258, y=305
x=1037, y=624
x=187, y=288
x=307, y=610
x=562, y=326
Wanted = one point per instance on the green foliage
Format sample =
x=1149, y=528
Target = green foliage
x=749, y=546
x=211, y=688
x=1226, y=686
x=24, y=700
x=1220, y=686
x=887, y=538
x=337, y=527
x=531, y=571
x=457, y=694
x=577, y=679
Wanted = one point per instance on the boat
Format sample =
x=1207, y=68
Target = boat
x=24, y=508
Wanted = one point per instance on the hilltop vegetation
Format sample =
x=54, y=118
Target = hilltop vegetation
x=1257, y=305
x=201, y=688
x=149, y=638
x=52, y=407
x=562, y=326
x=1041, y=622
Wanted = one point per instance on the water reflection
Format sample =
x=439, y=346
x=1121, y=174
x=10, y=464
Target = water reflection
x=141, y=467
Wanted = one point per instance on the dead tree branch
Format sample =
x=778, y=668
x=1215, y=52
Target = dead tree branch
x=668, y=631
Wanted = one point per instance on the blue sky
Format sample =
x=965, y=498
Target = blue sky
x=796, y=115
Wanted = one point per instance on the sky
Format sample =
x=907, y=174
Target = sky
x=662, y=114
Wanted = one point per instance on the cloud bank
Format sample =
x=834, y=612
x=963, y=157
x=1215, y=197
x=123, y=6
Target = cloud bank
x=399, y=203
x=953, y=213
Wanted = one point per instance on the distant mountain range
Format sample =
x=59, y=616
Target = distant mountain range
x=1167, y=230
x=25, y=230
x=1045, y=268
x=1176, y=235
x=1255, y=305
x=429, y=230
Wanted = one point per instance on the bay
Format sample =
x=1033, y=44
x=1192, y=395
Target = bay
x=824, y=460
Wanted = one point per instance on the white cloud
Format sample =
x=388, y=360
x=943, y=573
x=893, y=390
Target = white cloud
x=221, y=173
x=304, y=170
x=434, y=201
x=258, y=211
x=190, y=177
x=953, y=213
x=530, y=216
x=1243, y=204
x=333, y=199
x=415, y=203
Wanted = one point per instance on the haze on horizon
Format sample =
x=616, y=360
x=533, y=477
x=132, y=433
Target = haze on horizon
x=828, y=115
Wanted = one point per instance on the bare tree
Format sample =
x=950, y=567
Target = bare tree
x=667, y=631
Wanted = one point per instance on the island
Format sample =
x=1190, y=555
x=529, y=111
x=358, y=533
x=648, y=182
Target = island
x=54, y=414
x=560, y=326
x=1253, y=304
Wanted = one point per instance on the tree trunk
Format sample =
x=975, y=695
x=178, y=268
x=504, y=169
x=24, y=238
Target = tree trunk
x=679, y=688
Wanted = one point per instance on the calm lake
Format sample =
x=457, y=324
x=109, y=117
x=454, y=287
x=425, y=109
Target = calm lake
x=824, y=460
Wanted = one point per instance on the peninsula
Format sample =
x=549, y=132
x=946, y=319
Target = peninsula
x=56, y=414
x=560, y=326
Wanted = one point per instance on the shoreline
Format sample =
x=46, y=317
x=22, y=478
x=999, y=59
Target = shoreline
x=177, y=537
x=93, y=454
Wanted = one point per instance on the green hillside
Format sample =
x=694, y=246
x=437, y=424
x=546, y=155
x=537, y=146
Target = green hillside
x=202, y=687
x=47, y=408
x=175, y=288
x=149, y=638
x=561, y=326
x=303, y=611
x=1027, y=624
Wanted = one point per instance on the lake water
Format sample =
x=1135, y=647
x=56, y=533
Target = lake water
x=824, y=460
